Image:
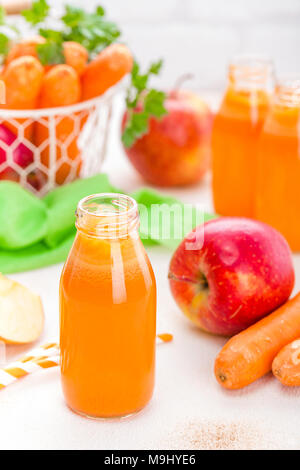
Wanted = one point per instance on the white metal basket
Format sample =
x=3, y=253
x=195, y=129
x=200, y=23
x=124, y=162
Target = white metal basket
x=48, y=147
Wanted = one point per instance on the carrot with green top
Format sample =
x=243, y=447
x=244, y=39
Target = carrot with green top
x=249, y=355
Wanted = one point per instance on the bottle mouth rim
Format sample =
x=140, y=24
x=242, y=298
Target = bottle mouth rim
x=289, y=82
x=251, y=70
x=287, y=92
x=124, y=205
x=107, y=215
x=251, y=59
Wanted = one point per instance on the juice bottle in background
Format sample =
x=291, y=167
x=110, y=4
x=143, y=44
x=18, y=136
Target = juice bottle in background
x=278, y=186
x=236, y=130
x=107, y=312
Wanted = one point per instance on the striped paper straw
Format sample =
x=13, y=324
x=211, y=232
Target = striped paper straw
x=19, y=369
x=164, y=338
x=44, y=351
x=42, y=357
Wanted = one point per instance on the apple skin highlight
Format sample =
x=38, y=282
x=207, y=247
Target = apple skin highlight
x=242, y=273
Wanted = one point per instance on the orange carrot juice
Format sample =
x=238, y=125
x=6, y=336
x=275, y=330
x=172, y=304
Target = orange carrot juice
x=236, y=131
x=107, y=312
x=278, y=186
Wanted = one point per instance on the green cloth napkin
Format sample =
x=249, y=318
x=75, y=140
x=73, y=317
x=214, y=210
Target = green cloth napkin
x=39, y=232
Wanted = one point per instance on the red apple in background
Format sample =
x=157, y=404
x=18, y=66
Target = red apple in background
x=176, y=149
x=242, y=272
x=21, y=154
x=37, y=179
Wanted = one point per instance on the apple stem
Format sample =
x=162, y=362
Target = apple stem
x=183, y=78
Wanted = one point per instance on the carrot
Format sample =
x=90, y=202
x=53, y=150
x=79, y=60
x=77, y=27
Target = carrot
x=24, y=47
x=249, y=355
x=286, y=365
x=76, y=56
x=23, y=79
x=60, y=87
x=112, y=64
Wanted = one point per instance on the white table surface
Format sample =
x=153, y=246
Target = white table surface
x=189, y=408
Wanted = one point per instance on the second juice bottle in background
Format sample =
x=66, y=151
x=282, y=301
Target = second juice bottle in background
x=236, y=132
x=278, y=173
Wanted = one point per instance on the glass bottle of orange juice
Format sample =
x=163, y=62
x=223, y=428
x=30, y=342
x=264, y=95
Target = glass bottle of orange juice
x=278, y=186
x=107, y=312
x=236, y=130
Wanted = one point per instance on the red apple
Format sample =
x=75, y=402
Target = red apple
x=242, y=272
x=176, y=149
x=37, y=179
x=21, y=154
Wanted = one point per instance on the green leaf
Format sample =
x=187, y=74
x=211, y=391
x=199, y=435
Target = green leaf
x=155, y=67
x=4, y=44
x=51, y=35
x=73, y=16
x=136, y=127
x=138, y=81
x=139, y=121
x=100, y=11
x=2, y=16
x=51, y=53
x=154, y=103
x=91, y=30
x=37, y=13
x=151, y=103
x=128, y=137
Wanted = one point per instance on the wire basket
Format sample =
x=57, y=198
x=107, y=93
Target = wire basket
x=44, y=148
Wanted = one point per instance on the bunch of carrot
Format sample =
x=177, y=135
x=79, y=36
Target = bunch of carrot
x=271, y=344
x=30, y=85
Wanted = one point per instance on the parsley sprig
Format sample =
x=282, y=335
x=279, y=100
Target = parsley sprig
x=51, y=52
x=142, y=103
x=37, y=13
x=92, y=30
x=4, y=44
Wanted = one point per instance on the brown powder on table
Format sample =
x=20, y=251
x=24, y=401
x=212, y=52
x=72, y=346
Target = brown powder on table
x=211, y=435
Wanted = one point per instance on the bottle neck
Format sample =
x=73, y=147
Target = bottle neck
x=287, y=94
x=107, y=216
x=251, y=73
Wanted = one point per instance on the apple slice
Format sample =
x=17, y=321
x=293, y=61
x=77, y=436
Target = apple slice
x=21, y=313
